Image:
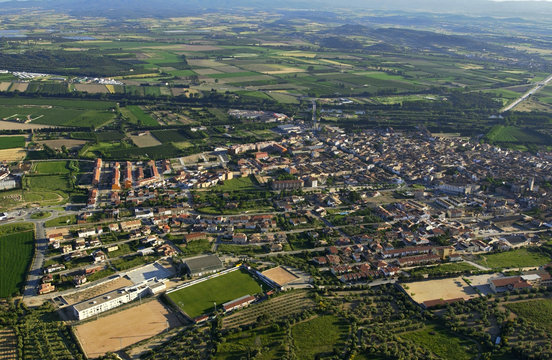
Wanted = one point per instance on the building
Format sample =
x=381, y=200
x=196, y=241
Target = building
x=115, y=298
x=128, y=177
x=287, y=184
x=115, y=184
x=97, y=172
x=238, y=303
x=203, y=265
x=131, y=225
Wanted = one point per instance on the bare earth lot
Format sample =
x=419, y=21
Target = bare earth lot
x=280, y=275
x=12, y=154
x=12, y=125
x=57, y=144
x=127, y=327
x=145, y=140
x=445, y=289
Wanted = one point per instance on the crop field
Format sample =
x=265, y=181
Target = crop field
x=539, y=312
x=319, y=336
x=199, y=298
x=241, y=342
x=145, y=140
x=442, y=343
x=10, y=142
x=124, y=328
x=8, y=342
x=512, y=134
x=519, y=258
x=137, y=116
x=16, y=251
x=282, y=306
x=56, y=112
x=13, y=154
x=166, y=136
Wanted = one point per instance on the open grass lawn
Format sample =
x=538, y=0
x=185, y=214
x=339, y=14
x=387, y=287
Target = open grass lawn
x=538, y=312
x=62, y=221
x=237, y=345
x=51, y=167
x=16, y=252
x=196, y=247
x=11, y=142
x=525, y=257
x=442, y=343
x=319, y=337
x=199, y=299
x=443, y=269
x=237, y=184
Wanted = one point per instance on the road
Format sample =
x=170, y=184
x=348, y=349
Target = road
x=524, y=97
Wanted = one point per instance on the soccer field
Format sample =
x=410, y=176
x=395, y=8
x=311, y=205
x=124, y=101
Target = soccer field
x=200, y=298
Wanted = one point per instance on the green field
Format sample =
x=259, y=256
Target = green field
x=443, y=269
x=16, y=251
x=237, y=184
x=198, y=299
x=137, y=116
x=512, y=134
x=238, y=344
x=442, y=343
x=51, y=167
x=318, y=337
x=11, y=142
x=514, y=259
x=62, y=221
x=56, y=112
x=538, y=312
x=41, y=215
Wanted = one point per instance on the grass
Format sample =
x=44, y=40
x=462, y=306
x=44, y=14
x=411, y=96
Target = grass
x=62, y=221
x=443, y=269
x=241, y=249
x=237, y=184
x=15, y=228
x=442, y=343
x=196, y=247
x=16, y=252
x=512, y=134
x=138, y=116
x=40, y=215
x=198, y=299
x=238, y=344
x=318, y=337
x=12, y=142
x=514, y=259
x=51, y=167
x=538, y=312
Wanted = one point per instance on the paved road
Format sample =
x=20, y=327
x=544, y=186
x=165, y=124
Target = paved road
x=524, y=97
x=35, y=274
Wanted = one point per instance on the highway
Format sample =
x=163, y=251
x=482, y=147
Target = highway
x=524, y=97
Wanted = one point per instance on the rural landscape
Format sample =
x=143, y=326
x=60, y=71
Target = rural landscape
x=293, y=180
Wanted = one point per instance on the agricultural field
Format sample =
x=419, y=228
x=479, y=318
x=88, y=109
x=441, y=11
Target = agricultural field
x=144, y=140
x=11, y=142
x=16, y=252
x=10, y=155
x=539, y=312
x=442, y=343
x=520, y=258
x=242, y=342
x=279, y=307
x=57, y=112
x=198, y=299
x=51, y=167
x=319, y=336
x=8, y=344
x=511, y=134
x=121, y=329
x=136, y=115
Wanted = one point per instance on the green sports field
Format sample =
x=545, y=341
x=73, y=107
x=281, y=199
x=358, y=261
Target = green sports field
x=16, y=251
x=200, y=298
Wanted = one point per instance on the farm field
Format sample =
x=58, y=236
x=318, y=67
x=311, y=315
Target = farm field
x=198, y=299
x=512, y=134
x=70, y=144
x=525, y=257
x=10, y=142
x=539, y=312
x=445, y=289
x=144, y=140
x=13, y=154
x=240, y=343
x=281, y=306
x=121, y=329
x=442, y=343
x=8, y=344
x=137, y=116
x=16, y=251
x=319, y=336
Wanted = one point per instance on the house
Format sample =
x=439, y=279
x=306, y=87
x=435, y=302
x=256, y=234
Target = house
x=239, y=238
x=508, y=284
x=46, y=288
x=238, y=303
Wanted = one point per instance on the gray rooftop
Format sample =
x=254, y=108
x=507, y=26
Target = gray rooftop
x=209, y=262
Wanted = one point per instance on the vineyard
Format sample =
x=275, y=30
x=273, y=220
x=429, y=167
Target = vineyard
x=279, y=307
x=16, y=251
x=7, y=345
